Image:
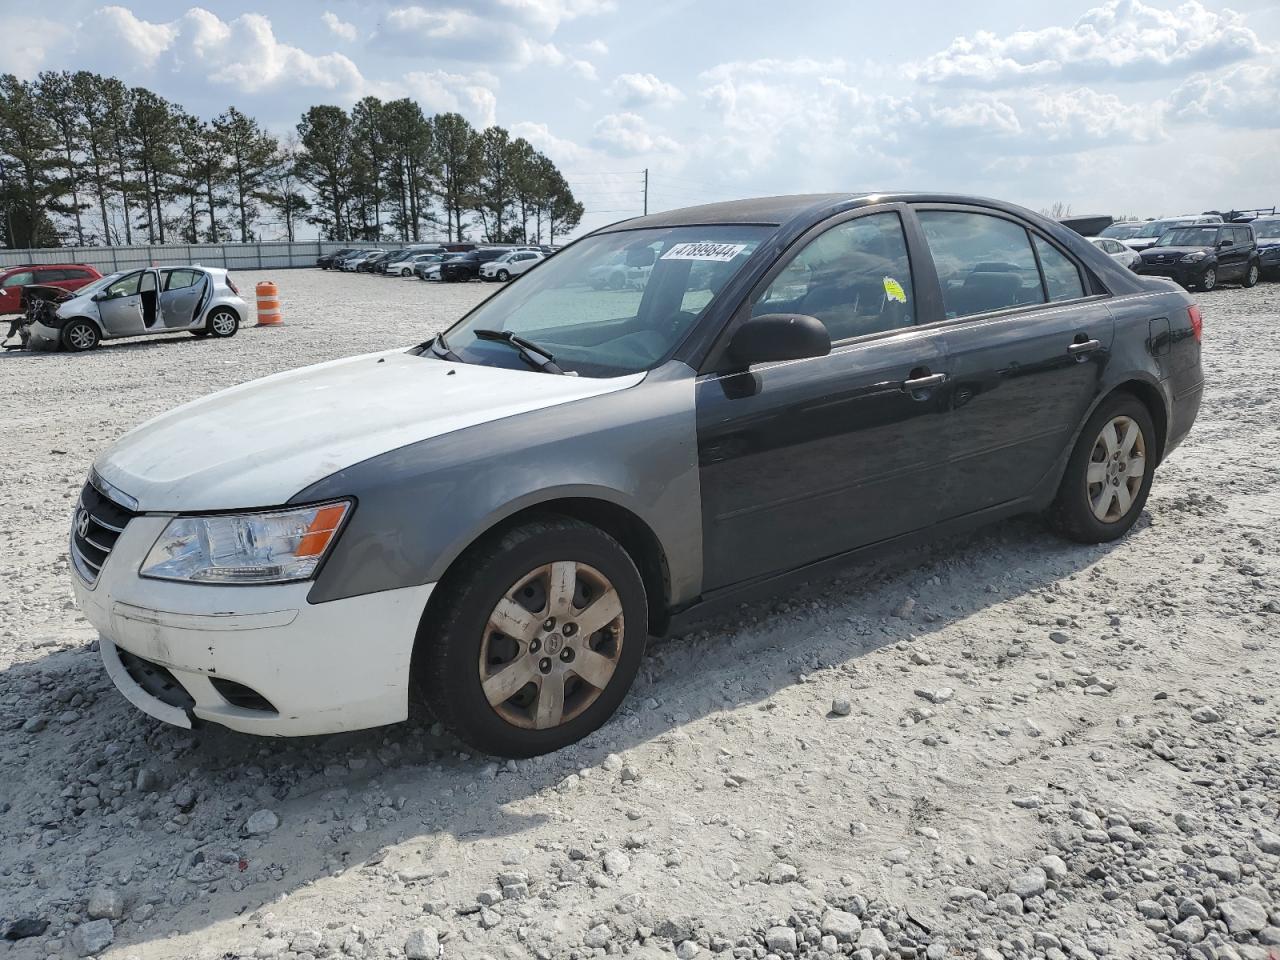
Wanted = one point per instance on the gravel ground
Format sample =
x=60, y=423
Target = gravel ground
x=1002, y=746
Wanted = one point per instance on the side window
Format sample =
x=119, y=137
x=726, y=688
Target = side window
x=1060, y=274
x=984, y=263
x=147, y=284
x=126, y=286
x=17, y=279
x=855, y=278
x=1244, y=234
x=180, y=279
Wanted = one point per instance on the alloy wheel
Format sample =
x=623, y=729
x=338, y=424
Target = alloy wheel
x=1117, y=466
x=223, y=323
x=551, y=645
x=82, y=336
x=1210, y=279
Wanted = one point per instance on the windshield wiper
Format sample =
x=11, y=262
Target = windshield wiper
x=529, y=351
x=439, y=348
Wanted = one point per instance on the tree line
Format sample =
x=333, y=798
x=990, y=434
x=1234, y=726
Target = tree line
x=86, y=159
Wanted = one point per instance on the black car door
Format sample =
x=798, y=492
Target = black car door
x=1026, y=337
x=1234, y=252
x=808, y=459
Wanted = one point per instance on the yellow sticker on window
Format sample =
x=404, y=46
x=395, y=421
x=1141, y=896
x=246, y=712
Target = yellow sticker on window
x=893, y=290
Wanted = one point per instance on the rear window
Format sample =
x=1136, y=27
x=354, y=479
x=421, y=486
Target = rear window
x=1061, y=277
x=17, y=279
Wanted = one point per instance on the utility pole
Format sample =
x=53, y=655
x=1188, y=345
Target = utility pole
x=646, y=191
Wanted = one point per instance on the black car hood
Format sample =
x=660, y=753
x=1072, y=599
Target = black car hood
x=1153, y=253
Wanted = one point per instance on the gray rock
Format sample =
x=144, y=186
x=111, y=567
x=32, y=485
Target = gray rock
x=780, y=940
x=1205, y=715
x=310, y=941
x=1188, y=823
x=1243, y=915
x=783, y=873
x=687, y=950
x=598, y=936
x=1150, y=909
x=966, y=893
x=1190, y=930
x=941, y=695
x=1029, y=884
x=1009, y=903
x=873, y=941
x=1054, y=867
x=616, y=863
x=92, y=937
x=1267, y=841
x=261, y=822
x=105, y=902
x=148, y=780
x=1224, y=867
x=841, y=707
x=34, y=724
x=423, y=944
x=841, y=924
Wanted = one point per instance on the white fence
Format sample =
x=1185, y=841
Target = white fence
x=233, y=256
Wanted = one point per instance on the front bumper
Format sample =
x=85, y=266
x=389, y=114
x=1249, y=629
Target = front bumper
x=41, y=337
x=1187, y=274
x=325, y=668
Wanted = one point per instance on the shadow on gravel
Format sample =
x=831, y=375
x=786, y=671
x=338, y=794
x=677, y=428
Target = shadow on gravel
x=74, y=808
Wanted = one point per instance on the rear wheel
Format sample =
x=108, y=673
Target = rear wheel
x=1109, y=474
x=80, y=335
x=539, y=638
x=222, y=322
x=1251, y=276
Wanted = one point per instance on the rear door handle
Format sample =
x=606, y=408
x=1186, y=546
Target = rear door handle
x=1083, y=346
x=924, y=383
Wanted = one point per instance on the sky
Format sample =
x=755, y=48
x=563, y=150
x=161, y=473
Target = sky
x=1128, y=107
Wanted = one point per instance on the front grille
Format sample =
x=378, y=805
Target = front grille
x=238, y=695
x=97, y=526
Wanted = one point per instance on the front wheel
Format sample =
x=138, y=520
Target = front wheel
x=80, y=335
x=222, y=323
x=1109, y=474
x=540, y=636
x=504, y=276
x=1251, y=276
x=1209, y=280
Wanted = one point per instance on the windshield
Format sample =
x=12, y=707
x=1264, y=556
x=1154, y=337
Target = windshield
x=1189, y=237
x=1266, y=228
x=91, y=288
x=1156, y=227
x=1121, y=231
x=613, y=303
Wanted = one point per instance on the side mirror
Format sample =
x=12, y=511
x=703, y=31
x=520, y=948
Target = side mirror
x=779, y=336
x=1223, y=243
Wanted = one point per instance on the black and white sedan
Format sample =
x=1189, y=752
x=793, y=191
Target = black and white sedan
x=497, y=519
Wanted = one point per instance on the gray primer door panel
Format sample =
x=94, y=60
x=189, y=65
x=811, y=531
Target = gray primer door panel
x=420, y=506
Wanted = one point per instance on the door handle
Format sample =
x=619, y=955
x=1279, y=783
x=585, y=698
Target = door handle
x=924, y=383
x=1083, y=346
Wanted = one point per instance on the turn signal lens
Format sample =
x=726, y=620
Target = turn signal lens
x=1197, y=322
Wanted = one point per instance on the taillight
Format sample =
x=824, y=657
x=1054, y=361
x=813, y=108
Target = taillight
x=1197, y=321
x=236, y=290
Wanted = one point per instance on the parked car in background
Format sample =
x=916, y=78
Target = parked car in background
x=1117, y=251
x=520, y=502
x=1122, y=230
x=430, y=269
x=626, y=269
x=203, y=301
x=371, y=263
x=339, y=262
x=395, y=265
x=467, y=266
x=326, y=260
x=352, y=264
x=510, y=264
x=66, y=276
x=1201, y=257
x=409, y=266
x=1153, y=229
x=1266, y=230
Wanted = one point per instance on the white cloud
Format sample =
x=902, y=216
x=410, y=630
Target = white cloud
x=438, y=91
x=628, y=134
x=548, y=54
x=142, y=40
x=596, y=48
x=1120, y=40
x=644, y=89
x=339, y=27
x=39, y=39
x=1247, y=95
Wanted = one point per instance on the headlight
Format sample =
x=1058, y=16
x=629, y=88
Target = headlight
x=1193, y=257
x=271, y=547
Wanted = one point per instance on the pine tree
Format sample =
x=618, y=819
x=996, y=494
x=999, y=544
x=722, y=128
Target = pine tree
x=30, y=163
x=249, y=151
x=325, y=164
x=282, y=190
x=57, y=102
x=457, y=156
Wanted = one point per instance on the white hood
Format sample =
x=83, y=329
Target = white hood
x=258, y=444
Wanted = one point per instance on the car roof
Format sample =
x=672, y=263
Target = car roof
x=780, y=210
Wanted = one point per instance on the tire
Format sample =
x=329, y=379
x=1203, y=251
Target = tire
x=80, y=335
x=1078, y=510
x=1251, y=276
x=222, y=322
x=1209, y=281
x=514, y=569
x=503, y=276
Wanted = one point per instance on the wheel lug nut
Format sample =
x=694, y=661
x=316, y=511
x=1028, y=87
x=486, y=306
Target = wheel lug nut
x=570, y=629
x=535, y=645
x=549, y=623
x=545, y=664
x=567, y=655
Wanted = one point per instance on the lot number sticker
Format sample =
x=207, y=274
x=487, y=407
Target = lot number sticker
x=718, y=252
x=893, y=290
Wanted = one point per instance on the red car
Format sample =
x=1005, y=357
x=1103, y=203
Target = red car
x=68, y=276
